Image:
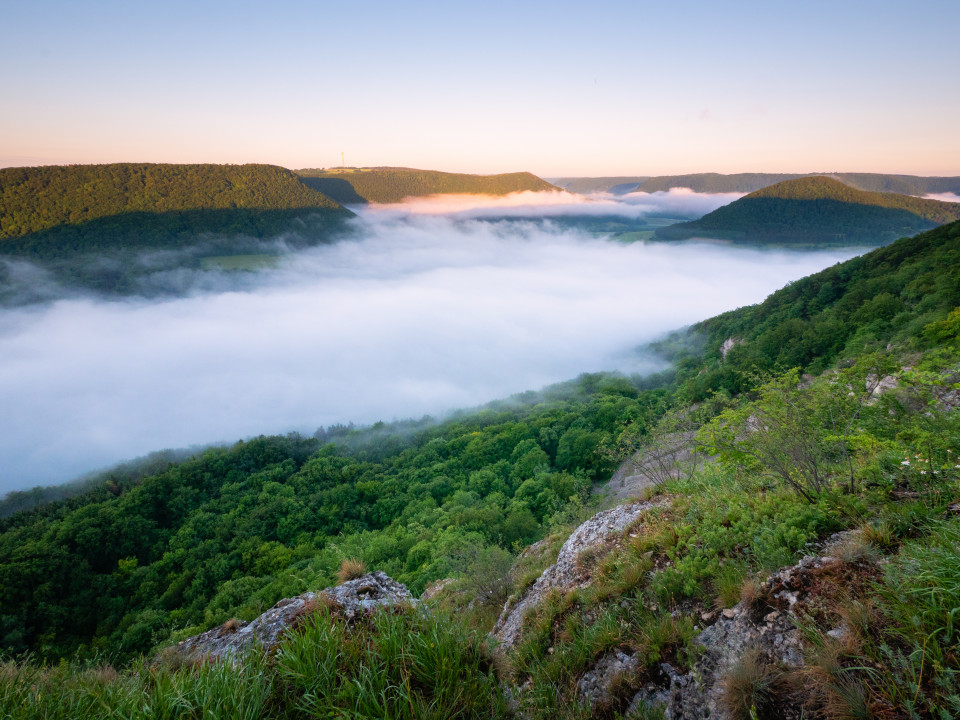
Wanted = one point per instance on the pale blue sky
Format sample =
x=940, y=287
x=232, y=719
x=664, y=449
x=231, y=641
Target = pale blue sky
x=557, y=88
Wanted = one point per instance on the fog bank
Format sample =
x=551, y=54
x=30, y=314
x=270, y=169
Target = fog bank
x=675, y=202
x=420, y=313
x=943, y=197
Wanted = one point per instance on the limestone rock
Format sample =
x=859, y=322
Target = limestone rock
x=564, y=574
x=729, y=344
x=351, y=600
x=596, y=686
x=436, y=588
x=772, y=632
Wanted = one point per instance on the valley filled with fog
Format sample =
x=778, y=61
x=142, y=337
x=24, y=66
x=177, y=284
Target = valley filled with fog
x=424, y=307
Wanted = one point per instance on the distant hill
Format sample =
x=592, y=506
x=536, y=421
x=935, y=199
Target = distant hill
x=390, y=185
x=750, y=182
x=52, y=210
x=616, y=185
x=817, y=210
x=902, y=184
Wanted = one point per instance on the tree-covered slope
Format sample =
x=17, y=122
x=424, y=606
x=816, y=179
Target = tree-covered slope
x=234, y=530
x=903, y=293
x=46, y=211
x=817, y=210
x=390, y=185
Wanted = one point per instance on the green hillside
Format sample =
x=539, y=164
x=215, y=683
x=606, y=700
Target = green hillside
x=817, y=210
x=391, y=185
x=188, y=546
x=900, y=293
x=49, y=211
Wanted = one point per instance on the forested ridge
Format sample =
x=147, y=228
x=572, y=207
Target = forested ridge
x=391, y=185
x=51, y=210
x=751, y=182
x=817, y=210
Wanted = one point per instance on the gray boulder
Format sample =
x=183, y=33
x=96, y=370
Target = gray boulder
x=351, y=600
x=746, y=628
x=565, y=573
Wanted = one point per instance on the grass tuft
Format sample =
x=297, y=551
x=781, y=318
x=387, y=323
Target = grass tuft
x=351, y=569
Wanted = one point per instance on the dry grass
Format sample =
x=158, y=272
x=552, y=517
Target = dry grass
x=754, y=688
x=879, y=534
x=854, y=548
x=587, y=558
x=831, y=691
x=351, y=569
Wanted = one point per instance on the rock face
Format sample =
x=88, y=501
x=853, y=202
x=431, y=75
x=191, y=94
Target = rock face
x=564, y=574
x=879, y=386
x=766, y=627
x=662, y=459
x=729, y=344
x=597, y=686
x=350, y=600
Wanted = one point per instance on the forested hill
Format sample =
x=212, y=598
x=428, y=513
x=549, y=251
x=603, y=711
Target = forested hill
x=905, y=293
x=50, y=210
x=817, y=210
x=750, y=182
x=390, y=185
x=234, y=530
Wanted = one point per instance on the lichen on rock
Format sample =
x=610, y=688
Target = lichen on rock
x=350, y=601
x=565, y=574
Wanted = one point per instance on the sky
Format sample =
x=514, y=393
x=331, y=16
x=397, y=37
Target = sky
x=556, y=88
x=428, y=307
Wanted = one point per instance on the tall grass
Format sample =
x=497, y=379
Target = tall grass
x=403, y=665
x=921, y=600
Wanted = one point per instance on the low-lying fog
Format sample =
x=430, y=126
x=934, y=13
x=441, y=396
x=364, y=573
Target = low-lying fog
x=420, y=313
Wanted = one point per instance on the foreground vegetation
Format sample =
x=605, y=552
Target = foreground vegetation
x=804, y=444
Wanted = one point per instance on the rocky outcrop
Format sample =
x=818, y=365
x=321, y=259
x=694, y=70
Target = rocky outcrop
x=350, y=601
x=729, y=344
x=437, y=588
x=764, y=629
x=597, y=687
x=877, y=386
x=664, y=457
x=565, y=574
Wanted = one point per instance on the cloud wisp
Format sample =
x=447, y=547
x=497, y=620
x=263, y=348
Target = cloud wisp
x=943, y=197
x=675, y=202
x=417, y=314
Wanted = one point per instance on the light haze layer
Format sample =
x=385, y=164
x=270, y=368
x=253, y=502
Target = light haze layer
x=419, y=314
